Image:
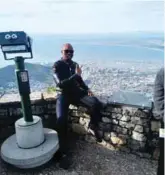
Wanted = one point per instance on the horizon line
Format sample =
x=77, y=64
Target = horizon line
x=93, y=33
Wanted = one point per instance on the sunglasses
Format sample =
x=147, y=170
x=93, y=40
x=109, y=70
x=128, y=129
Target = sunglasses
x=68, y=51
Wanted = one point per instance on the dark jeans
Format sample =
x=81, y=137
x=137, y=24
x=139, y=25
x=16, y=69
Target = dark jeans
x=161, y=158
x=62, y=106
x=160, y=170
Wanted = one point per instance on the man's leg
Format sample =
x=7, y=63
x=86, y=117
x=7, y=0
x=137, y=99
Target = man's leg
x=160, y=170
x=94, y=106
x=62, y=106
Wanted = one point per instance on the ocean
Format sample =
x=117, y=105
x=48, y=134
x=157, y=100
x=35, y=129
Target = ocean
x=102, y=48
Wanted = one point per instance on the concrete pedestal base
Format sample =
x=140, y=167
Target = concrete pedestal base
x=33, y=157
x=31, y=146
x=29, y=134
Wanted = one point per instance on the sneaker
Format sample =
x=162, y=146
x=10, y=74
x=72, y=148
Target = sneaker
x=65, y=162
x=64, y=159
x=98, y=135
x=57, y=156
x=97, y=132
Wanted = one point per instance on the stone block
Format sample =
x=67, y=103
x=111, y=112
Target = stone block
x=155, y=125
x=110, y=147
x=130, y=126
x=138, y=136
x=116, y=116
x=73, y=107
x=117, y=110
x=120, y=130
x=39, y=110
x=144, y=122
x=154, y=142
x=139, y=121
x=136, y=145
x=3, y=112
x=138, y=128
x=130, y=132
x=109, y=109
x=84, y=121
x=156, y=154
x=46, y=116
x=33, y=109
x=84, y=115
x=114, y=121
x=79, y=129
x=123, y=124
x=49, y=106
x=146, y=129
x=124, y=136
x=74, y=119
x=74, y=113
x=107, y=145
x=156, y=115
x=105, y=113
x=82, y=109
x=106, y=120
x=118, y=140
x=141, y=114
x=126, y=112
x=17, y=111
x=125, y=118
x=107, y=136
x=129, y=110
x=135, y=120
x=106, y=127
x=113, y=134
x=53, y=106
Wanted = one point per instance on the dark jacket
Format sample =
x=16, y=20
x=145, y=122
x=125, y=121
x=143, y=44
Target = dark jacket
x=66, y=79
x=159, y=93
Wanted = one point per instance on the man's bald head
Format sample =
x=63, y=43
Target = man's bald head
x=67, y=46
x=67, y=51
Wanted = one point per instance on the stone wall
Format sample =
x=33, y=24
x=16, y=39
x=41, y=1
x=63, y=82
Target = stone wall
x=10, y=111
x=126, y=128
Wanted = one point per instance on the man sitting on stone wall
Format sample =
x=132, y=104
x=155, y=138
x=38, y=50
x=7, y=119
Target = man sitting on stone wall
x=67, y=75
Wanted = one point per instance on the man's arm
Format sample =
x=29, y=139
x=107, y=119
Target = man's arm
x=62, y=83
x=159, y=92
x=80, y=80
x=82, y=84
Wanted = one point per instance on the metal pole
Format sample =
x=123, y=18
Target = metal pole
x=24, y=88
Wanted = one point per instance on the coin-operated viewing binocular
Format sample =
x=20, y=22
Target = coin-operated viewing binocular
x=31, y=145
x=14, y=42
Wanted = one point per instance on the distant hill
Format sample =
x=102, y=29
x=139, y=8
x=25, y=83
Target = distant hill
x=37, y=73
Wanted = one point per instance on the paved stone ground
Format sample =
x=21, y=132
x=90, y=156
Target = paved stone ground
x=90, y=159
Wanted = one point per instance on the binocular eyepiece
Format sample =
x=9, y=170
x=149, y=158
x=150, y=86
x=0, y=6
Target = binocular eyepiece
x=15, y=42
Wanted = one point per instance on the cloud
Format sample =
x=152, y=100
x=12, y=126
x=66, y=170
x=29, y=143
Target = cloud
x=81, y=16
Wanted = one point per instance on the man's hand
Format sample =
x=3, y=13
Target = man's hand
x=90, y=93
x=78, y=70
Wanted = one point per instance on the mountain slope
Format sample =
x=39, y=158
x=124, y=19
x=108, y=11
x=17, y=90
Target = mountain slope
x=37, y=72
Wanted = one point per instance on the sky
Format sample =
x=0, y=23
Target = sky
x=81, y=16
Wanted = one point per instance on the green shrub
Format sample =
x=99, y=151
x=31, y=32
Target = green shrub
x=51, y=89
